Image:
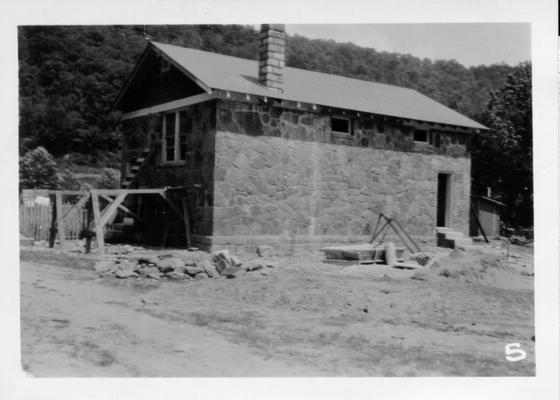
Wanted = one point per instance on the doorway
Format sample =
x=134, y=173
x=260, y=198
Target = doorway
x=443, y=200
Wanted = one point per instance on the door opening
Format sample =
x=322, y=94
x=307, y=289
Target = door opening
x=443, y=200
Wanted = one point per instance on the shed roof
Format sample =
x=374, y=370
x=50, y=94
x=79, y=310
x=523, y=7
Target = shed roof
x=223, y=72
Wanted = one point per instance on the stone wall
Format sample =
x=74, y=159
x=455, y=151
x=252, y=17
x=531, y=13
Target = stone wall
x=266, y=173
x=283, y=173
x=276, y=186
x=368, y=131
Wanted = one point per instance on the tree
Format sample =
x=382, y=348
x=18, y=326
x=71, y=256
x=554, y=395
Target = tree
x=37, y=170
x=503, y=156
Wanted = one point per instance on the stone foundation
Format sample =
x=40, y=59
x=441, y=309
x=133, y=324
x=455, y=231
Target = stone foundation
x=288, y=245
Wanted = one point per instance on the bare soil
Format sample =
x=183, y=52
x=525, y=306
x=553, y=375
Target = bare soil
x=302, y=317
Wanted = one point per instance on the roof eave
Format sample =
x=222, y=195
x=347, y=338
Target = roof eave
x=116, y=103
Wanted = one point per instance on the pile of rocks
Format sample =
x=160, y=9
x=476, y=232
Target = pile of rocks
x=175, y=267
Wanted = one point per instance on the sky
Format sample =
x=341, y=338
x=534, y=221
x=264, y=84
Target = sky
x=468, y=43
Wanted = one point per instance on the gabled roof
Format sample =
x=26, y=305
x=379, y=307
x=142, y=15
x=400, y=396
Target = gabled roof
x=234, y=74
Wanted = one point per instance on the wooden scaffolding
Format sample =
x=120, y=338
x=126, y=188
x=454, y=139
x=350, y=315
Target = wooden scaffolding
x=99, y=217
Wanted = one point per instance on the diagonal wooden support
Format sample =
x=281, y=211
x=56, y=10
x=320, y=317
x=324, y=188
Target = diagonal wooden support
x=173, y=206
x=111, y=209
x=378, y=232
x=76, y=206
x=413, y=245
x=125, y=209
x=110, y=201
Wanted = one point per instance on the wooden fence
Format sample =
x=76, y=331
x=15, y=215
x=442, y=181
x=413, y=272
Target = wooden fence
x=35, y=221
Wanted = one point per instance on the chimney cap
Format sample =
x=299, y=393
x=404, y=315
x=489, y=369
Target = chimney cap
x=273, y=27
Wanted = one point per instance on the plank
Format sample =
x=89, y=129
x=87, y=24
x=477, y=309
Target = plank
x=405, y=233
x=124, y=208
x=116, y=192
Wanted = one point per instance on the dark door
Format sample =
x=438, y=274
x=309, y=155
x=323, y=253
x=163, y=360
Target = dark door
x=441, y=199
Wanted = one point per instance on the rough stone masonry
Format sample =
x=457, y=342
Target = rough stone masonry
x=269, y=175
x=285, y=173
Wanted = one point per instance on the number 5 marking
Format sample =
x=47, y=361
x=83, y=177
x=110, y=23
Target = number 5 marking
x=514, y=352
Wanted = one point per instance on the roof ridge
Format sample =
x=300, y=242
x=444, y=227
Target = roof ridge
x=287, y=67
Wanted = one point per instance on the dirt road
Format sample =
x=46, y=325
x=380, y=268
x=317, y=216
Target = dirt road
x=300, y=318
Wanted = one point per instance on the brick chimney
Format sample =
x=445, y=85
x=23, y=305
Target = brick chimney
x=271, y=56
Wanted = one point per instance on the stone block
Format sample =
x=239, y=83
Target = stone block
x=104, y=266
x=171, y=264
x=265, y=251
x=193, y=271
x=123, y=274
x=175, y=275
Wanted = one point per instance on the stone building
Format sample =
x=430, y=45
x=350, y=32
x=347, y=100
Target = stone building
x=272, y=154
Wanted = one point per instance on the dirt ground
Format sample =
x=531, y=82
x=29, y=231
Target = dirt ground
x=303, y=317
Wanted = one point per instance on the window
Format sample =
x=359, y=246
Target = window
x=342, y=125
x=420, y=136
x=164, y=65
x=185, y=129
x=177, y=127
x=169, y=137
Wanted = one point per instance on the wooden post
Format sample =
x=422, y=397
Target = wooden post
x=88, y=226
x=60, y=219
x=52, y=232
x=390, y=254
x=187, y=222
x=97, y=221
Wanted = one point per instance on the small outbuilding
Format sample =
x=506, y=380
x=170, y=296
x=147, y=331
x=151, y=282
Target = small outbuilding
x=489, y=212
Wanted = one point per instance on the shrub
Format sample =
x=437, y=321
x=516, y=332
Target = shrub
x=37, y=170
x=110, y=179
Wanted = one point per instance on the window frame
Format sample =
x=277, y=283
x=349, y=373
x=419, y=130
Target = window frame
x=350, y=127
x=164, y=65
x=421, y=142
x=176, y=160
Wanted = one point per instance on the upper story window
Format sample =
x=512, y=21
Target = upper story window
x=341, y=125
x=427, y=137
x=164, y=65
x=177, y=127
x=421, y=136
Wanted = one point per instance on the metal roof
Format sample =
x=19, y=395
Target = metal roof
x=234, y=74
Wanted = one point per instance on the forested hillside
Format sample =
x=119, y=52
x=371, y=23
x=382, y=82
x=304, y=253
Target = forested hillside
x=70, y=75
